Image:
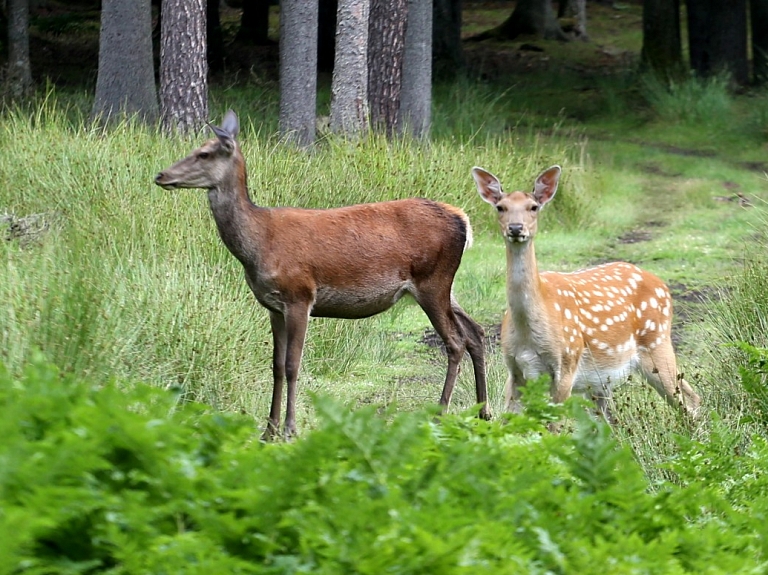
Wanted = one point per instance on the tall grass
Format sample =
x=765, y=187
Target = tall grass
x=693, y=100
x=134, y=282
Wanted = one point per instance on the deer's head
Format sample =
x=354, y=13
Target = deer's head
x=210, y=164
x=518, y=212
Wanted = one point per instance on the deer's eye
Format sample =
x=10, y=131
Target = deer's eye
x=203, y=155
x=500, y=209
x=535, y=208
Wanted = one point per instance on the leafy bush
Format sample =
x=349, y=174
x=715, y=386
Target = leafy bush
x=99, y=480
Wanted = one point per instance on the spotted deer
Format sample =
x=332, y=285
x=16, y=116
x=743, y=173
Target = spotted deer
x=350, y=262
x=589, y=329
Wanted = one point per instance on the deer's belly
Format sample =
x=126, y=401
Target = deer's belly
x=530, y=363
x=355, y=304
x=598, y=375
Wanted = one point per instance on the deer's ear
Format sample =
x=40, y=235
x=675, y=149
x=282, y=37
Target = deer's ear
x=228, y=131
x=545, y=187
x=230, y=124
x=488, y=185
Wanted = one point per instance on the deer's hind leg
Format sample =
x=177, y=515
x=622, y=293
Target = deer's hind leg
x=435, y=300
x=474, y=338
x=659, y=367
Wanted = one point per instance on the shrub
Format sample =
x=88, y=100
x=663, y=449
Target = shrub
x=98, y=480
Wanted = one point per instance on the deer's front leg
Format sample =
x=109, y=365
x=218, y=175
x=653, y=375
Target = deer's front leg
x=562, y=384
x=515, y=379
x=279, y=341
x=296, y=321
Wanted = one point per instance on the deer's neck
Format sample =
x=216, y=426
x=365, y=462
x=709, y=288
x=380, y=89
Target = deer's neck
x=525, y=297
x=236, y=216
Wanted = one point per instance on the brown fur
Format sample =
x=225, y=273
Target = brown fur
x=349, y=262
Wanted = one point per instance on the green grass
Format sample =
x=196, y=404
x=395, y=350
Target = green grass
x=132, y=281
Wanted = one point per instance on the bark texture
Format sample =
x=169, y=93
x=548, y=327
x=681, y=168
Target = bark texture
x=18, y=75
x=298, y=70
x=662, y=50
x=349, y=86
x=717, y=34
x=386, y=47
x=125, y=83
x=447, y=50
x=416, y=93
x=183, y=66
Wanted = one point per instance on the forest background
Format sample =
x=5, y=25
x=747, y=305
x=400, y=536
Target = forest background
x=145, y=433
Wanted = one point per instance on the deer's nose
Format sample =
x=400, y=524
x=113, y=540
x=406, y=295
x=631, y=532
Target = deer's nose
x=515, y=229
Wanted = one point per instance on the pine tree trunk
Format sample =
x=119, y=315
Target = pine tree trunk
x=534, y=17
x=298, y=70
x=717, y=35
x=349, y=86
x=416, y=93
x=386, y=47
x=183, y=66
x=18, y=80
x=662, y=49
x=125, y=83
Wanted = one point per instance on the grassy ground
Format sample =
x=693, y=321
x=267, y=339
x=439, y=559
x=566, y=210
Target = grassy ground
x=132, y=282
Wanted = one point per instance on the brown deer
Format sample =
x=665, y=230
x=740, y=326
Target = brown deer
x=351, y=262
x=587, y=330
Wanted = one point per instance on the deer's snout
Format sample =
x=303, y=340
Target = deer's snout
x=515, y=230
x=162, y=180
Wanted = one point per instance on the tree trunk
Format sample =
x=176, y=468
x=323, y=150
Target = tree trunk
x=416, y=93
x=254, y=23
x=531, y=17
x=717, y=35
x=298, y=70
x=125, y=83
x=215, y=52
x=759, y=22
x=18, y=83
x=183, y=66
x=662, y=49
x=576, y=9
x=349, y=86
x=447, y=50
x=386, y=47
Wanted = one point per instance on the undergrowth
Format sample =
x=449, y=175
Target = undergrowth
x=95, y=479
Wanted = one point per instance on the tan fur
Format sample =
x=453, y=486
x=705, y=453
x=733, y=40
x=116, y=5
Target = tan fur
x=588, y=330
x=349, y=262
